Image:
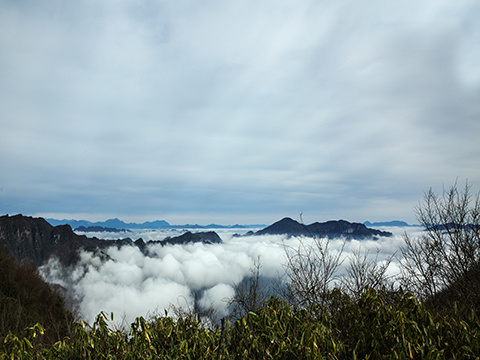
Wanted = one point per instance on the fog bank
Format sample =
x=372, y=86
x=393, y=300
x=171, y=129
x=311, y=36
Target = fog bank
x=132, y=283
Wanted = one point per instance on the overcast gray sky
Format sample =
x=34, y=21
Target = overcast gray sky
x=236, y=111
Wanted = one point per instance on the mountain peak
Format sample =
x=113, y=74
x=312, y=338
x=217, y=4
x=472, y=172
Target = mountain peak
x=330, y=229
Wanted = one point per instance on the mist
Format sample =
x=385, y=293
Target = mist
x=132, y=283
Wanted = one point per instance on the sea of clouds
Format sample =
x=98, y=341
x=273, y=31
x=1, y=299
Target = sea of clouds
x=132, y=283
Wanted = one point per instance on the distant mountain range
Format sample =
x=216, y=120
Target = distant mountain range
x=100, y=229
x=111, y=223
x=397, y=223
x=158, y=224
x=117, y=225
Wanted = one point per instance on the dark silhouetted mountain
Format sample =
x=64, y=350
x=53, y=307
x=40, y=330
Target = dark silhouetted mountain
x=340, y=228
x=100, y=229
x=208, y=237
x=140, y=244
x=388, y=223
x=248, y=233
x=35, y=240
x=330, y=229
x=286, y=226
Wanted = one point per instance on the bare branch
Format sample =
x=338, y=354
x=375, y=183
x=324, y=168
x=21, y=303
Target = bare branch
x=449, y=250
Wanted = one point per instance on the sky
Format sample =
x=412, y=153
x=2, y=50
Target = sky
x=236, y=111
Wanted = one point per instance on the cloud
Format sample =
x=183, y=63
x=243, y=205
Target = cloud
x=237, y=111
x=130, y=283
x=217, y=297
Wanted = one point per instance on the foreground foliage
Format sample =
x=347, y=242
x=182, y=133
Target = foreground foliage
x=377, y=325
x=26, y=299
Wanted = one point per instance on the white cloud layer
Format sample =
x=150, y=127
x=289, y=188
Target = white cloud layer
x=236, y=112
x=130, y=283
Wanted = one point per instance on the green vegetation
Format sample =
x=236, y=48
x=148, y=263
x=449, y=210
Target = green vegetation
x=379, y=325
x=25, y=299
x=433, y=317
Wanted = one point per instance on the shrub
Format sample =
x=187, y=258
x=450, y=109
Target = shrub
x=377, y=325
x=26, y=299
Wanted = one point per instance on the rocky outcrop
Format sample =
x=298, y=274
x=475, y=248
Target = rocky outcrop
x=35, y=240
x=330, y=229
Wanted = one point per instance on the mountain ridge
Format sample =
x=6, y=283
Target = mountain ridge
x=34, y=239
x=116, y=223
x=330, y=229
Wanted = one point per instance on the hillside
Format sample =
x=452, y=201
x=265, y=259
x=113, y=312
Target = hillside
x=25, y=299
x=35, y=240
